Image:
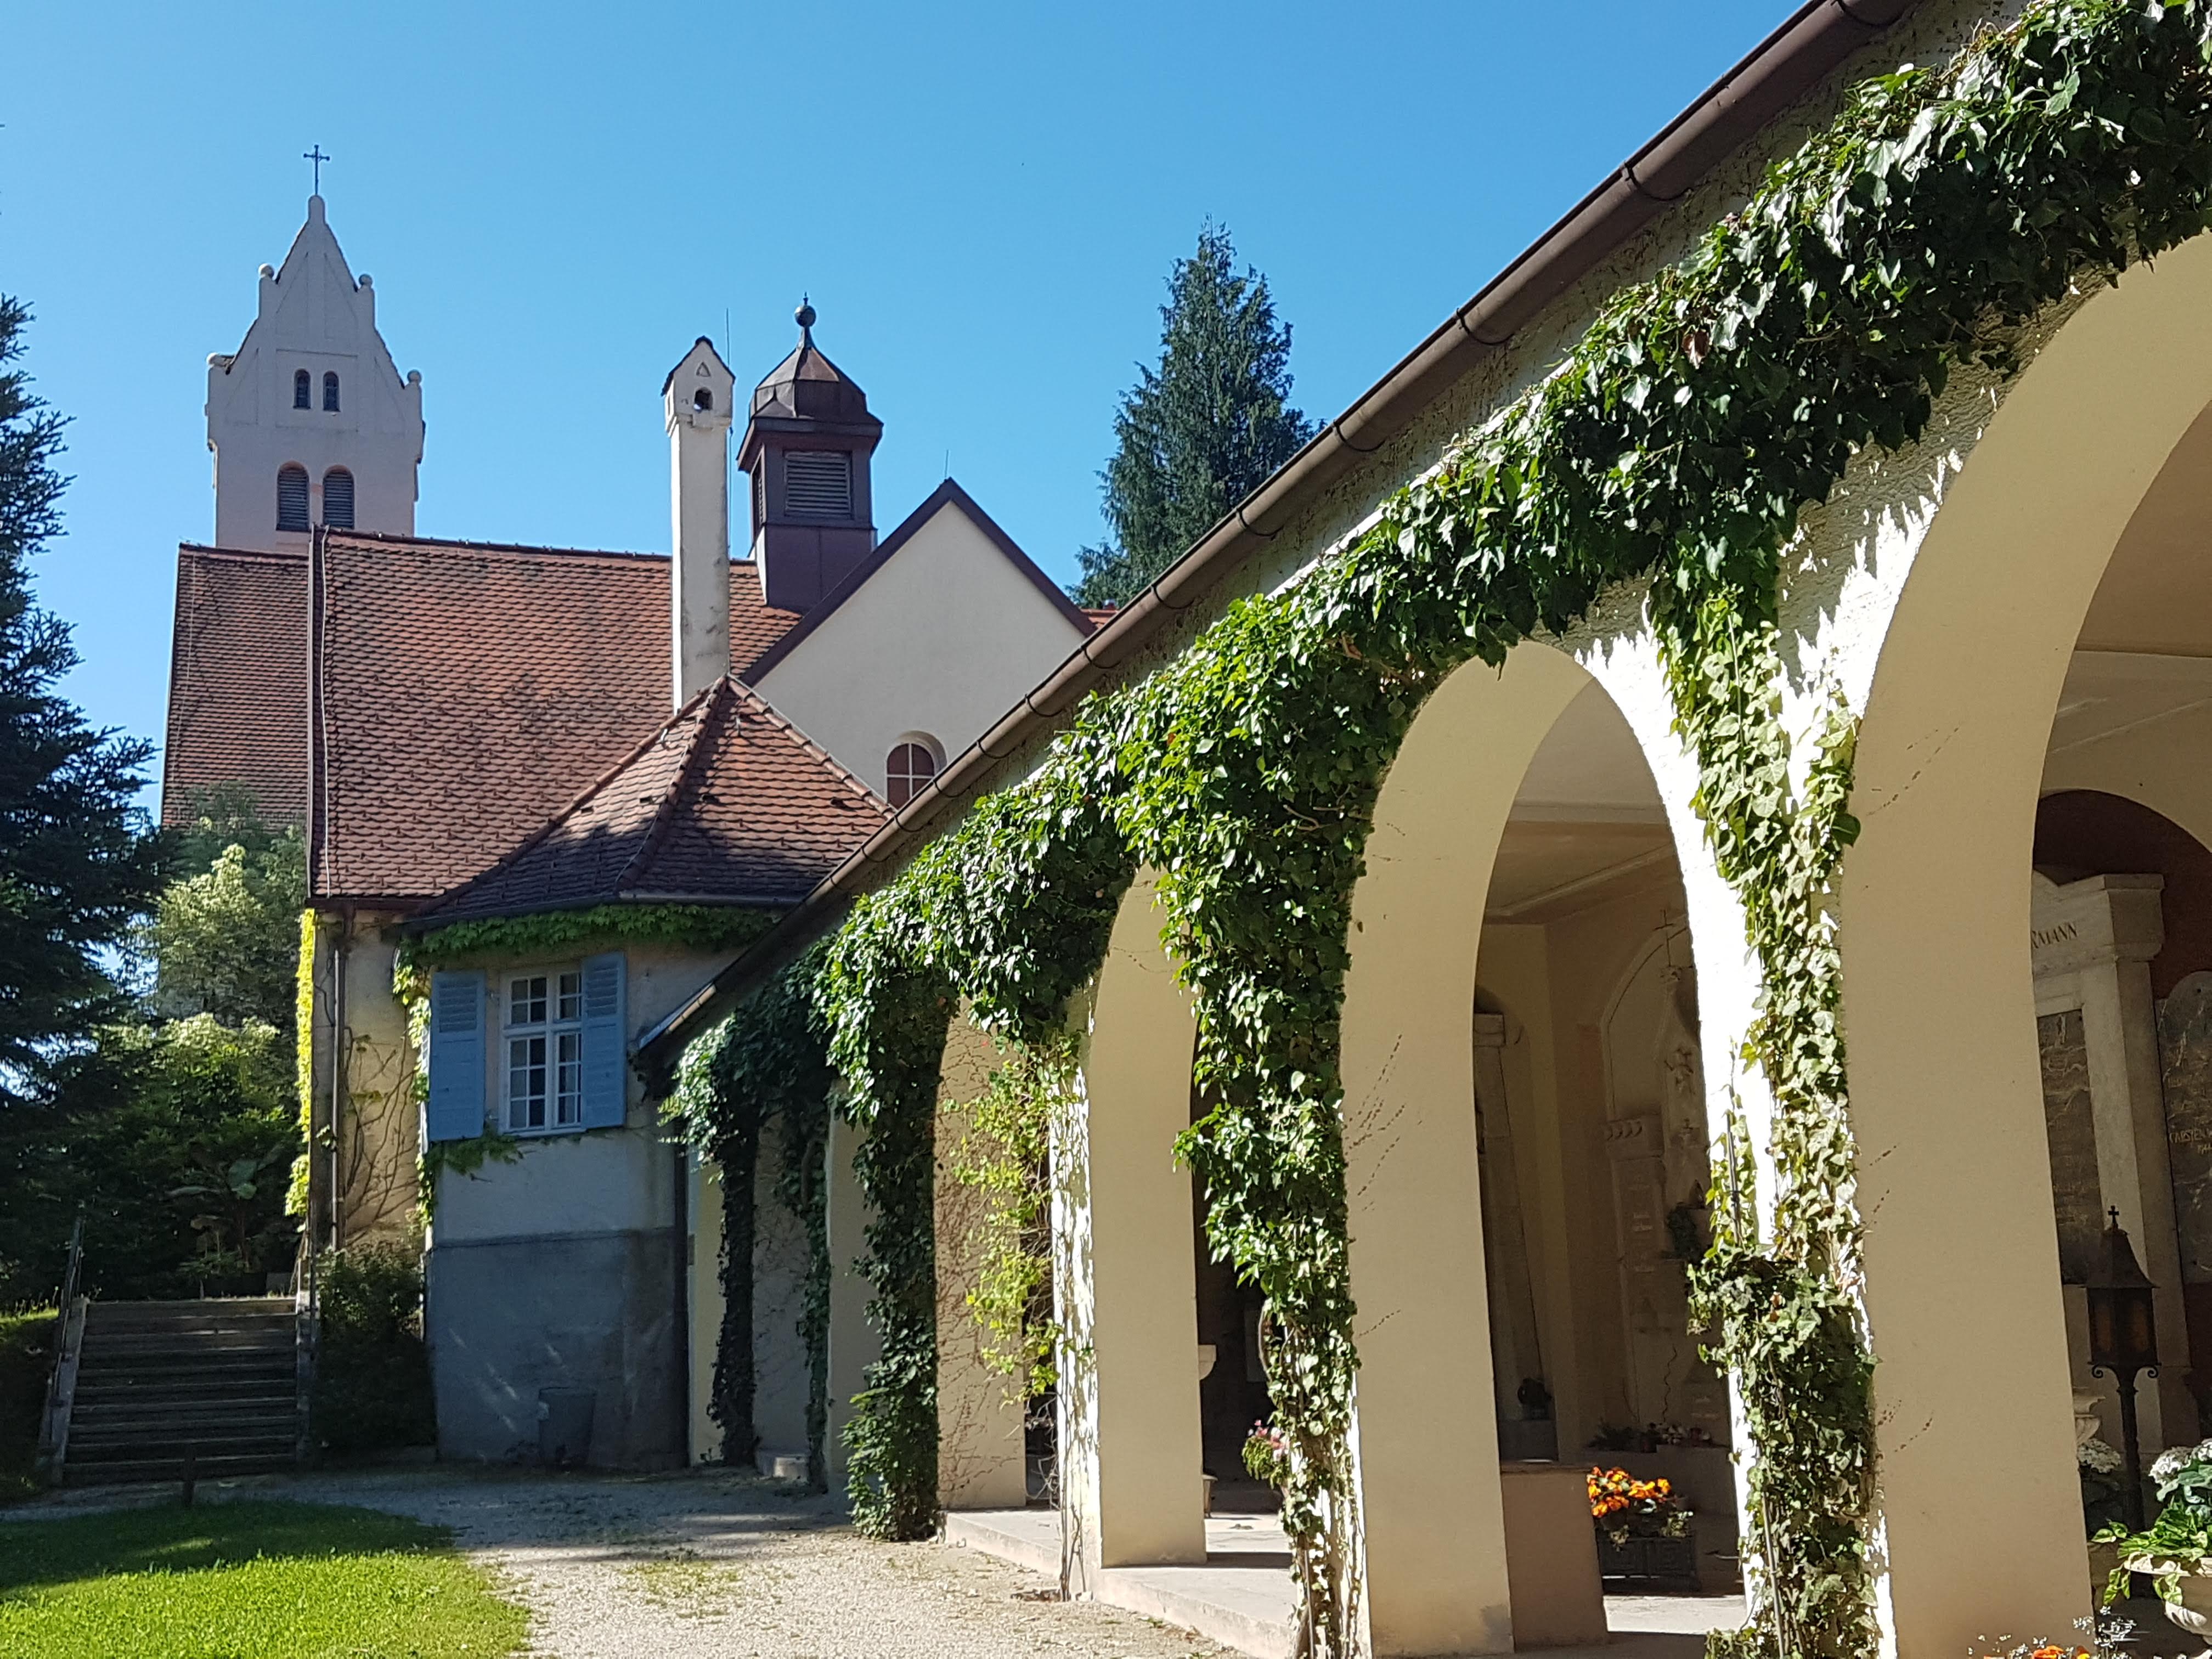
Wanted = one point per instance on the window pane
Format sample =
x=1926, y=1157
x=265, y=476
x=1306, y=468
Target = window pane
x=569, y=1107
x=572, y=996
x=526, y=1083
x=525, y=1001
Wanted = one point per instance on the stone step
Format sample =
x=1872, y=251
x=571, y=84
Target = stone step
x=203, y=1307
x=204, y=1467
x=131, y=1352
x=257, y=1393
x=85, y=1428
x=185, y=1381
x=217, y=1376
x=162, y=1439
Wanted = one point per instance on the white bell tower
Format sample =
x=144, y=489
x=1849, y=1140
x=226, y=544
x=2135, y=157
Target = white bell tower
x=308, y=420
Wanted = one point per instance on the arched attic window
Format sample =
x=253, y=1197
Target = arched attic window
x=909, y=766
x=338, y=498
x=292, y=497
x=302, y=394
x=331, y=393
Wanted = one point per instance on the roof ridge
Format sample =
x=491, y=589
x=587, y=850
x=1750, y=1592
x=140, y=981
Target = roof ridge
x=556, y=819
x=768, y=711
x=282, y=556
x=664, y=813
x=384, y=538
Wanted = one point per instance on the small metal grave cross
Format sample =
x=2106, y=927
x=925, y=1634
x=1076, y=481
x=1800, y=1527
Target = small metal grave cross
x=317, y=156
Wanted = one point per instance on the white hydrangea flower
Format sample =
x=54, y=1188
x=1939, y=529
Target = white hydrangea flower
x=2175, y=1460
x=2099, y=1458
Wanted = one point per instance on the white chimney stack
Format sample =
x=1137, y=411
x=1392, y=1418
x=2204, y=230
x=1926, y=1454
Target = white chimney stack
x=697, y=395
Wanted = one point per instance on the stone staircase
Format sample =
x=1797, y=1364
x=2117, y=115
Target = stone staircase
x=220, y=1378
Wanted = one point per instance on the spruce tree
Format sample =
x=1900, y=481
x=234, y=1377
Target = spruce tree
x=77, y=864
x=1202, y=431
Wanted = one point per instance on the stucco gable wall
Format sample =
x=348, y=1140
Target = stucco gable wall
x=942, y=640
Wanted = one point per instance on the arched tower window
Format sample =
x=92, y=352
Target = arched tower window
x=909, y=766
x=338, y=498
x=703, y=399
x=292, y=497
x=301, y=396
x=331, y=393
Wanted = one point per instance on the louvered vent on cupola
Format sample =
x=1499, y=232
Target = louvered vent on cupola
x=818, y=483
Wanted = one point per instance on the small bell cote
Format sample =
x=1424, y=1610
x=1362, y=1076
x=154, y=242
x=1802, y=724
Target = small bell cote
x=807, y=449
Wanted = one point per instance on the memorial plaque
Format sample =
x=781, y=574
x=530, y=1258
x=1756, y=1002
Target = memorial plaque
x=2185, y=1052
x=2069, y=1121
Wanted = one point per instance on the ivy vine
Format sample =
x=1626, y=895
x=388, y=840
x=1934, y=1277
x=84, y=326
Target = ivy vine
x=732, y=1081
x=1004, y=1155
x=302, y=1185
x=1941, y=212
x=706, y=927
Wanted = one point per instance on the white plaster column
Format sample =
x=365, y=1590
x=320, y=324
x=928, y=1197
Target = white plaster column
x=1125, y=1280
x=1957, y=608
x=980, y=1461
x=854, y=1344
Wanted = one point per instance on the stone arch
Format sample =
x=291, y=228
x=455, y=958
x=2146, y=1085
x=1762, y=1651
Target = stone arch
x=1976, y=1493
x=1433, y=1508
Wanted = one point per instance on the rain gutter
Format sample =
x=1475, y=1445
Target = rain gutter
x=1811, y=43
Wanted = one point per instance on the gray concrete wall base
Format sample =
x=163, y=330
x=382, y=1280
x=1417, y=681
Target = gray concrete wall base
x=505, y=1317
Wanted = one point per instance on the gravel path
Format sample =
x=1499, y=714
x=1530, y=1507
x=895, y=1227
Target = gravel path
x=715, y=1566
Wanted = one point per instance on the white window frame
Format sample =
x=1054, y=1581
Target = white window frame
x=541, y=1052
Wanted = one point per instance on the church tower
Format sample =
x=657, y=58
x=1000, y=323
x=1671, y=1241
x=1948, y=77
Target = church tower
x=308, y=419
x=807, y=447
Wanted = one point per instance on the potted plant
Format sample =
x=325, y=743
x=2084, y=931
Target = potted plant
x=2175, y=1550
x=1643, y=1528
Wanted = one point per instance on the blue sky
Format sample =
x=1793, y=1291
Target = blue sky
x=555, y=199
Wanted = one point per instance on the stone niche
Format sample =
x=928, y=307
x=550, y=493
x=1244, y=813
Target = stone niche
x=2097, y=1035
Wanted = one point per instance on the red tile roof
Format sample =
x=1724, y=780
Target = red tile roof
x=468, y=690
x=727, y=802
x=238, y=681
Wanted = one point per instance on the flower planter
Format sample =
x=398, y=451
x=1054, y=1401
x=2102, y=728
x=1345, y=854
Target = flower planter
x=1654, y=1562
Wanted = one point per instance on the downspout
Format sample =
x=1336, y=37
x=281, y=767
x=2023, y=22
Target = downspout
x=339, y=954
x=686, y=1248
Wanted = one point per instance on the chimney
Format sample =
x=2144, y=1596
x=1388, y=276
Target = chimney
x=696, y=396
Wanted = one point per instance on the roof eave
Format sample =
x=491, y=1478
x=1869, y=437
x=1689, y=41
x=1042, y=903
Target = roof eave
x=1807, y=47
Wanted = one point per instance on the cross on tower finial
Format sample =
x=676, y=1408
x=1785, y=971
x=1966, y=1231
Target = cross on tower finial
x=317, y=156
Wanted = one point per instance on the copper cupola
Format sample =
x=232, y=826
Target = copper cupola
x=807, y=449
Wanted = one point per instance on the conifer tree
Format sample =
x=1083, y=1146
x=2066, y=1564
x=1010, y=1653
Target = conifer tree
x=77, y=865
x=1202, y=431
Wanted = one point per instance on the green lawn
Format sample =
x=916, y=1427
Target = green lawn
x=244, y=1581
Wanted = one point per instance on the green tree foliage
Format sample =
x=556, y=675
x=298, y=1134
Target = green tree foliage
x=174, y=1139
x=77, y=868
x=1202, y=431
x=225, y=934
x=373, y=1375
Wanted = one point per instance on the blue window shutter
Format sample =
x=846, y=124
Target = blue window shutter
x=456, y=1109
x=606, y=1063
